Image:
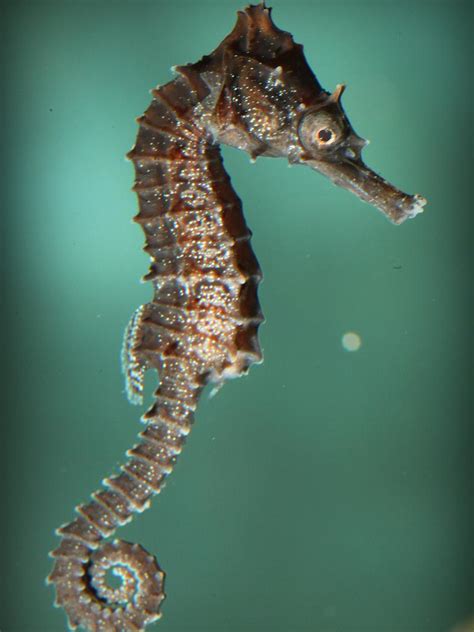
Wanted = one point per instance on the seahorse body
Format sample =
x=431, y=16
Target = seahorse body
x=255, y=92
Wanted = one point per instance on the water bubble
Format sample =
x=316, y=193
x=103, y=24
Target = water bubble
x=351, y=341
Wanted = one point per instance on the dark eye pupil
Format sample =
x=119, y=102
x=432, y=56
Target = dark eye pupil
x=325, y=135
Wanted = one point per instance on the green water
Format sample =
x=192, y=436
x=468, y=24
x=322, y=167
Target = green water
x=328, y=491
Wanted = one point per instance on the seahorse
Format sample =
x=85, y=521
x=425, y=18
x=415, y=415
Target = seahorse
x=255, y=92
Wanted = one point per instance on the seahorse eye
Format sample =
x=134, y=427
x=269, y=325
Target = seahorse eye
x=319, y=130
x=325, y=135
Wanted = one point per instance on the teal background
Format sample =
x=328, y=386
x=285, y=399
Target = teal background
x=327, y=491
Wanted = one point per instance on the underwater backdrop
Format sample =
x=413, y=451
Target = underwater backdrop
x=330, y=490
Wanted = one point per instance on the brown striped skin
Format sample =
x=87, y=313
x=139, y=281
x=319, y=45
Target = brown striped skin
x=255, y=92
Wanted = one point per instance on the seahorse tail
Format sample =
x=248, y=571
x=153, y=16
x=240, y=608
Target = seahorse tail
x=86, y=556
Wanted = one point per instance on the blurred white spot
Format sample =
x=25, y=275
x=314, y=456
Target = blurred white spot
x=351, y=341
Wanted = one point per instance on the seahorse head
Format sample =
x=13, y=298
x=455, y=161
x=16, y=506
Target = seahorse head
x=271, y=104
